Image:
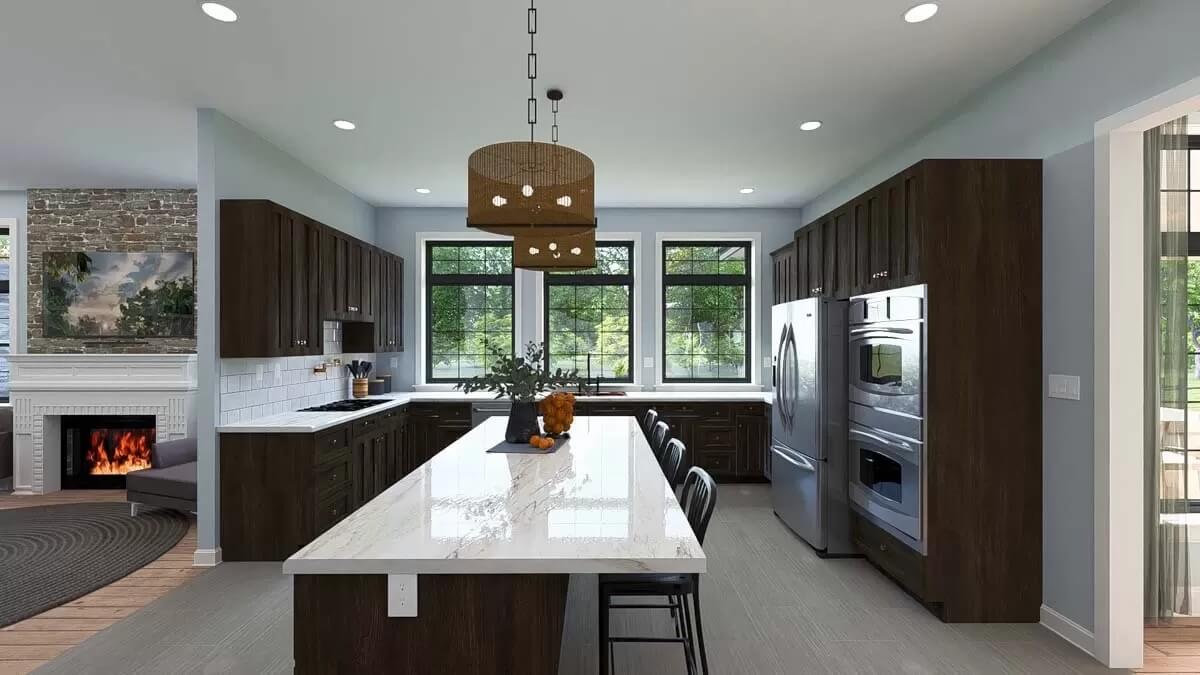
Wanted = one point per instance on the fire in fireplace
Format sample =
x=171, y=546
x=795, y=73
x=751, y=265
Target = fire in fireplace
x=98, y=450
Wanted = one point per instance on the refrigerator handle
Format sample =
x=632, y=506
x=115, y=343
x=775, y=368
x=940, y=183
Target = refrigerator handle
x=798, y=462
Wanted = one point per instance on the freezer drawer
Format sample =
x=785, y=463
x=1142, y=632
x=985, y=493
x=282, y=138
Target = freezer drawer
x=798, y=494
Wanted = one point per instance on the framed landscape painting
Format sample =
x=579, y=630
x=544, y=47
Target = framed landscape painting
x=119, y=294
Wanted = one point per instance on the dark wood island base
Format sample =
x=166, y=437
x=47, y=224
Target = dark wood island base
x=482, y=624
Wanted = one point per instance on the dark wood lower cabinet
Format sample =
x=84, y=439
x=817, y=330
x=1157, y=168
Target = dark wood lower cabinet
x=729, y=440
x=488, y=624
x=281, y=491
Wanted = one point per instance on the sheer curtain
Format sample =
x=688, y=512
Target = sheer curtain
x=1168, y=582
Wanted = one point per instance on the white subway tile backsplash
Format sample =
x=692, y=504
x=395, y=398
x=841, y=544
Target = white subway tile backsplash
x=288, y=383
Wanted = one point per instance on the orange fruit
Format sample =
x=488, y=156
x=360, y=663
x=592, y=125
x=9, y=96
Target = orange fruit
x=535, y=440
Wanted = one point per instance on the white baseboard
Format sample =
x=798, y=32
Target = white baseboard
x=206, y=557
x=1069, y=630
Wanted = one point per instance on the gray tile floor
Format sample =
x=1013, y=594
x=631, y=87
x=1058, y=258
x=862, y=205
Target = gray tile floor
x=770, y=606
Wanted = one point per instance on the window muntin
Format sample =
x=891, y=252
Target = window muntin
x=706, y=311
x=469, y=305
x=590, y=312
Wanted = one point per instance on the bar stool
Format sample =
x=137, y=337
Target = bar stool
x=648, y=421
x=682, y=590
x=658, y=439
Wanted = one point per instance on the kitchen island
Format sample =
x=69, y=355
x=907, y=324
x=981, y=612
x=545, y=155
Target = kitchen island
x=463, y=565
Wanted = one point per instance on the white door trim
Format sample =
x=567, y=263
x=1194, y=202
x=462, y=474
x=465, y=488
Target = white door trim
x=1119, y=371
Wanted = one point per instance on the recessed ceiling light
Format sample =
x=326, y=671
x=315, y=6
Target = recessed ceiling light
x=218, y=11
x=345, y=125
x=423, y=191
x=922, y=12
x=747, y=191
x=811, y=125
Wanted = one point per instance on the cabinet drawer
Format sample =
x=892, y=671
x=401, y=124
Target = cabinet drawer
x=333, y=475
x=332, y=443
x=717, y=412
x=608, y=409
x=373, y=424
x=900, y=562
x=441, y=411
x=715, y=438
x=750, y=409
x=717, y=463
x=332, y=508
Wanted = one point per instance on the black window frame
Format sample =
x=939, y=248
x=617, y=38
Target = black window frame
x=574, y=279
x=432, y=280
x=746, y=282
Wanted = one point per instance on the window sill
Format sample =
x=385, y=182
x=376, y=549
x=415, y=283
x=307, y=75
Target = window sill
x=433, y=387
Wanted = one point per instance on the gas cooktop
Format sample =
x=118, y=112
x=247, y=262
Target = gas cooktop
x=349, y=405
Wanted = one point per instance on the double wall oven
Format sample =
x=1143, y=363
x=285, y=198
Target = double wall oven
x=887, y=353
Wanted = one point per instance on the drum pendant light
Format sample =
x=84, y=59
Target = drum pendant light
x=541, y=194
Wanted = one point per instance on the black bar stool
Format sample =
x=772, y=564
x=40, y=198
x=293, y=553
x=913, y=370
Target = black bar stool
x=658, y=439
x=682, y=590
x=648, y=422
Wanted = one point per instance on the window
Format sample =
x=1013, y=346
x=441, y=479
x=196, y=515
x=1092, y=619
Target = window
x=468, y=305
x=589, y=312
x=706, y=315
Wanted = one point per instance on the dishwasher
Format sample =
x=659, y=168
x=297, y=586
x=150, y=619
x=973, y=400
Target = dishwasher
x=482, y=410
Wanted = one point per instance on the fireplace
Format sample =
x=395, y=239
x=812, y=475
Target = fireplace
x=98, y=450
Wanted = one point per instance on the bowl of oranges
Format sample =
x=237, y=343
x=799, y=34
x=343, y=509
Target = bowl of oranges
x=558, y=412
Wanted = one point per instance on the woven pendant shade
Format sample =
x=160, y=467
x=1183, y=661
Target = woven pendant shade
x=554, y=253
x=525, y=187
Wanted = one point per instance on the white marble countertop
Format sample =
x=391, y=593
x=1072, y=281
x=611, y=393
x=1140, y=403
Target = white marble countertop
x=309, y=422
x=599, y=504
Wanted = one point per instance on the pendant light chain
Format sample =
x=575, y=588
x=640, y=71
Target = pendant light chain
x=554, y=127
x=532, y=69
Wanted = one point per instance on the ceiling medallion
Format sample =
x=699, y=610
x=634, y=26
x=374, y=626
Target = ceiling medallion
x=541, y=194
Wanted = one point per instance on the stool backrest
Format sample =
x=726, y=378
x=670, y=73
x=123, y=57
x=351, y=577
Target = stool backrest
x=698, y=500
x=648, y=421
x=671, y=461
x=659, y=438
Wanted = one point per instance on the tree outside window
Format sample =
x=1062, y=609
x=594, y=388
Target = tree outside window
x=469, y=306
x=589, y=312
x=706, y=317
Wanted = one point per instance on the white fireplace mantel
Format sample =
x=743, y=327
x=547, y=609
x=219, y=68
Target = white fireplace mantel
x=44, y=387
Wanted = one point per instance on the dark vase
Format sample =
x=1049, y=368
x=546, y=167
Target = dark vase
x=522, y=422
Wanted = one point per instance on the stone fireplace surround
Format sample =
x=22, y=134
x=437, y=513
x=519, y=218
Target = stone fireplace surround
x=44, y=387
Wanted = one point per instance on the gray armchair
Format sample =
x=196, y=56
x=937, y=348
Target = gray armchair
x=171, y=483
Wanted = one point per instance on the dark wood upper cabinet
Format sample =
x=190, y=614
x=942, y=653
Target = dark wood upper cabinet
x=842, y=228
x=283, y=274
x=802, y=262
x=269, y=301
x=814, y=286
x=783, y=273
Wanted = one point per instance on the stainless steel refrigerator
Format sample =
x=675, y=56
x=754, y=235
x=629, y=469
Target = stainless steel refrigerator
x=808, y=425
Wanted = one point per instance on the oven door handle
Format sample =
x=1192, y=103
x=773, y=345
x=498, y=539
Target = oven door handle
x=799, y=463
x=882, y=330
x=886, y=442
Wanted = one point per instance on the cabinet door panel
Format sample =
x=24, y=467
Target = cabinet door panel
x=801, y=284
x=843, y=275
x=861, y=211
x=814, y=285
x=879, y=238
x=397, y=322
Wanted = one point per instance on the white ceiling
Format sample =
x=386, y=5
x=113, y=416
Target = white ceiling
x=679, y=102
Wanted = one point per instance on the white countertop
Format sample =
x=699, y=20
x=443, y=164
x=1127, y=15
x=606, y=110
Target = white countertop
x=308, y=422
x=599, y=504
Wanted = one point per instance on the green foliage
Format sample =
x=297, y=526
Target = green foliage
x=64, y=271
x=165, y=310
x=519, y=378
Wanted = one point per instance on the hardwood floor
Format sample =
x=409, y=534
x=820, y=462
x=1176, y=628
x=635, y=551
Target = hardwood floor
x=1173, y=648
x=29, y=644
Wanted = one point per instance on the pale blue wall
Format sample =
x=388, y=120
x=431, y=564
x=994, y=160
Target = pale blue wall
x=236, y=163
x=1046, y=108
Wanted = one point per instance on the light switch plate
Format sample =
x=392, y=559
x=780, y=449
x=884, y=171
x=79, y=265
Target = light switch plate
x=258, y=375
x=278, y=374
x=402, y=595
x=648, y=362
x=766, y=362
x=1065, y=387
x=395, y=362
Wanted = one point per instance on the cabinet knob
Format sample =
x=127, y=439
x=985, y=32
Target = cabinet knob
x=883, y=547
x=884, y=274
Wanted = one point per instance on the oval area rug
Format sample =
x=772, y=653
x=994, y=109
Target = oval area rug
x=51, y=555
